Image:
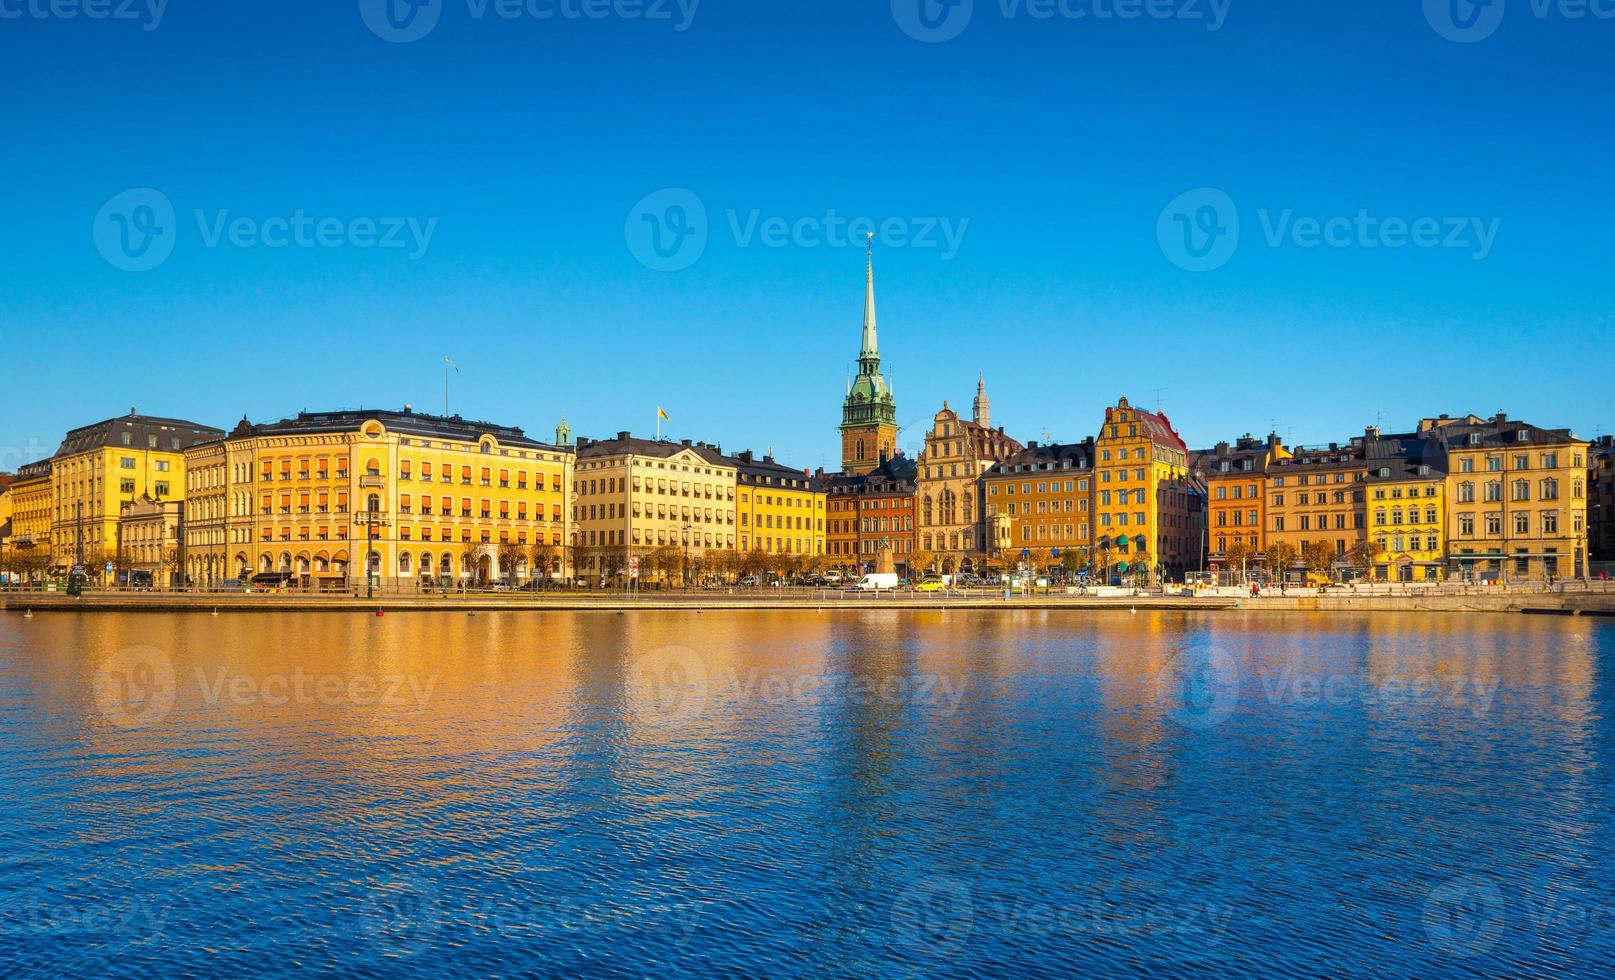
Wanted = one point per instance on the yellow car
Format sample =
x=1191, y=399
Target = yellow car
x=930, y=585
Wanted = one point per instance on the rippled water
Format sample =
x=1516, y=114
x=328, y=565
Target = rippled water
x=850, y=794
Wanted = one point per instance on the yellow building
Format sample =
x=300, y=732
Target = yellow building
x=1147, y=507
x=1516, y=498
x=645, y=499
x=442, y=501
x=1407, y=507
x=102, y=469
x=28, y=545
x=778, y=510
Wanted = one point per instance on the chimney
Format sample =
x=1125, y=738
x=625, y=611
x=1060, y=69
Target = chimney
x=1501, y=418
x=685, y=443
x=622, y=436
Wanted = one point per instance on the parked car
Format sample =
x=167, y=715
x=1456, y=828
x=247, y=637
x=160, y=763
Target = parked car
x=832, y=577
x=750, y=582
x=931, y=585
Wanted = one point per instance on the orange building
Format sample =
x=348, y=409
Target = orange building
x=872, y=513
x=1040, y=505
x=1236, y=478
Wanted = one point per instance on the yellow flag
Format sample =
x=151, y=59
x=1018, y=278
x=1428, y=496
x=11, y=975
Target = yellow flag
x=661, y=413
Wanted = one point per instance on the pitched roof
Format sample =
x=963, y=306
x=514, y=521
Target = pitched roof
x=659, y=449
x=137, y=432
x=403, y=422
x=1049, y=456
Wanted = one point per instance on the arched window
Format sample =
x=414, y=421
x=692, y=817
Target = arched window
x=403, y=563
x=860, y=455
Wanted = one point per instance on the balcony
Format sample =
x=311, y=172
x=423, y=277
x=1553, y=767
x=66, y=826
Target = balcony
x=372, y=480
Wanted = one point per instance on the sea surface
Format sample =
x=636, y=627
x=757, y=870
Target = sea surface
x=779, y=793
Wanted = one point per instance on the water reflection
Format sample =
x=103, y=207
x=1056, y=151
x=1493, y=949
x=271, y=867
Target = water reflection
x=799, y=791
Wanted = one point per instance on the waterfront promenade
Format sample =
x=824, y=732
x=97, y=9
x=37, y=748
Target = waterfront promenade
x=1574, y=598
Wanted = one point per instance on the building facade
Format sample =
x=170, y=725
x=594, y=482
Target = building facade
x=1516, y=496
x=872, y=518
x=151, y=543
x=1601, y=501
x=1407, y=508
x=780, y=511
x=1235, y=475
x=102, y=469
x=1148, y=507
x=1040, y=506
x=414, y=500
x=950, y=519
x=869, y=411
x=29, y=544
x=1319, y=495
x=646, y=499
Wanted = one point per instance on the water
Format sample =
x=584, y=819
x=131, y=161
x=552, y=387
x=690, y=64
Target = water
x=844, y=794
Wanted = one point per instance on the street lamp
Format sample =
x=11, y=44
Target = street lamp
x=687, y=529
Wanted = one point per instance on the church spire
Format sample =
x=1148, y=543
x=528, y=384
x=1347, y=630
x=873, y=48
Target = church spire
x=871, y=346
x=981, y=410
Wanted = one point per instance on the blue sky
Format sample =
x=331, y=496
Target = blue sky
x=1056, y=149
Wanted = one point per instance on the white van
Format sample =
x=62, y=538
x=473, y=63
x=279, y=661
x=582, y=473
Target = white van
x=877, y=581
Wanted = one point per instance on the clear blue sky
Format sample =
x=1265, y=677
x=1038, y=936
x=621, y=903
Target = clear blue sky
x=529, y=141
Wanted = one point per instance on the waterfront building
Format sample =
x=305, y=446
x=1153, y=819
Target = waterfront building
x=1236, y=476
x=30, y=539
x=1601, y=501
x=1316, y=498
x=872, y=518
x=643, y=498
x=780, y=510
x=1040, y=505
x=430, y=500
x=1148, y=507
x=151, y=541
x=869, y=411
x=1407, y=507
x=101, y=469
x=950, y=519
x=1516, y=496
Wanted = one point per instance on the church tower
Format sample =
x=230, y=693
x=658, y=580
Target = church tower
x=869, y=413
x=980, y=411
